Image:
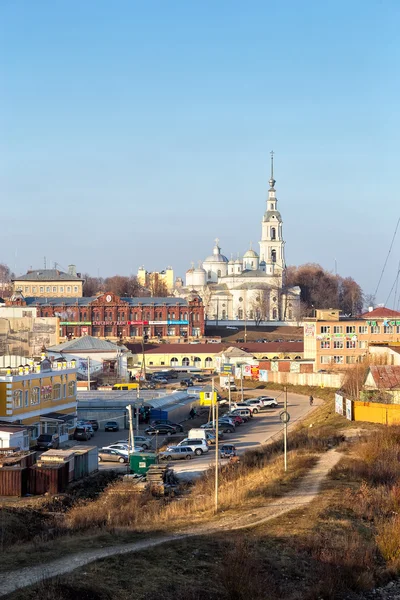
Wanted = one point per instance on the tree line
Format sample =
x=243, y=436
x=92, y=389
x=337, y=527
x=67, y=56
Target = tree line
x=319, y=288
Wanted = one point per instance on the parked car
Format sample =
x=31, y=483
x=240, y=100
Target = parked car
x=177, y=453
x=111, y=455
x=167, y=422
x=237, y=419
x=228, y=450
x=259, y=404
x=244, y=413
x=161, y=428
x=199, y=378
x=94, y=424
x=123, y=448
x=186, y=382
x=161, y=380
x=82, y=433
x=45, y=441
x=90, y=427
x=139, y=440
x=111, y=426
x=252, y=409
x=231, y=386
x=198, y=446
x=268, y=401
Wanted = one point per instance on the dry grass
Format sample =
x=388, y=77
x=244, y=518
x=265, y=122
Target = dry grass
x=239, y=487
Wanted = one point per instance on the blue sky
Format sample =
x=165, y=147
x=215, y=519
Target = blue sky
x=136, y=132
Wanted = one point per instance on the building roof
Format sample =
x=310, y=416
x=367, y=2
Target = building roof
x=47, y=275
x=252, y=348
x=86, y=343
x=381, y=312
x=234, y=352
x=87, y=300
x=386, y=377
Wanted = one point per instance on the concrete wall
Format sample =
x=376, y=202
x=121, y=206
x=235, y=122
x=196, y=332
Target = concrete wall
x=332, y=380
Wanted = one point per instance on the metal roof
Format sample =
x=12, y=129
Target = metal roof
x=87, y=300
x=47, y=275
x=386, y=377
x=86, y=343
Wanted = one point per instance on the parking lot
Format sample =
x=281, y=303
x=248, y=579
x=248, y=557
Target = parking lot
x=258, y=430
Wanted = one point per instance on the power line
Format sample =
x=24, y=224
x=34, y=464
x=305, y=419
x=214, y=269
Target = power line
x=387, y=257
x=393, y=286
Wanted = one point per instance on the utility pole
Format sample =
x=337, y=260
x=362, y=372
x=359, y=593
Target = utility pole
x=285, y=432
x=212, y=399
x=229, y=392
x=88, y=373
x=216, y=459
x=131, y=435
x=241, y=382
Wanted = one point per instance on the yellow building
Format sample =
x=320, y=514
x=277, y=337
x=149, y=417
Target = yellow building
x=50, y=283
x=41, y=396
x=153, y=279
x=204, y=356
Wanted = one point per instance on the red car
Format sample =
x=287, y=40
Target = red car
x=237, y=418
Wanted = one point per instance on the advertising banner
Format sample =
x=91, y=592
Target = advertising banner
x=339, y=404
x=263, y=375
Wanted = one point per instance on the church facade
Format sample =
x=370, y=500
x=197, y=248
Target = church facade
x=252, y=287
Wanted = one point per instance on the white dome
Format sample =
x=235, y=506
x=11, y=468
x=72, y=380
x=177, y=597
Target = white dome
x=216, y=258
x=250, y=254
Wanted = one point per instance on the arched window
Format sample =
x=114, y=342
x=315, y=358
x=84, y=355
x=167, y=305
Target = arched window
x=251, y=314
x=17, y=398
x=276, y=358
x=297, y=358
x=223, y=315
x=209, y=274
x=197, y=361
x=219, y=272
x=185, y=316
x=287, y=357
x=274, y=313
x=35, y=398
x=290, y=313
x=57, y=391
x=185, y=362
x=71, y=388
x=240, y=313
x=208, y=362
x=273, y=233
x=174, y=362
x=273, y=255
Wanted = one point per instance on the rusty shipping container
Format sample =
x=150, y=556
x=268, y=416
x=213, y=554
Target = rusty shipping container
x=13, y=481
x=58, y=457
x=53, y=479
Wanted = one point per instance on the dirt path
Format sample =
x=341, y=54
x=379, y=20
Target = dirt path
x=305, y=493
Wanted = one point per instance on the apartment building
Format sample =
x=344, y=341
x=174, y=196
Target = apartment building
x=40, y=396
x=332, y=341
x=50, y=283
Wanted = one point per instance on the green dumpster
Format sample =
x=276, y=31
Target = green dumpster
x=140, y=462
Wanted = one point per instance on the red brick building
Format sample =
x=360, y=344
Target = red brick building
x=110, y=316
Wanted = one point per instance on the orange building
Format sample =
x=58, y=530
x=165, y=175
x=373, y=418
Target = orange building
x=332, y=341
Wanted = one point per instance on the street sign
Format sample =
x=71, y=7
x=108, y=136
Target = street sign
x=227, y=369
x=284, y=416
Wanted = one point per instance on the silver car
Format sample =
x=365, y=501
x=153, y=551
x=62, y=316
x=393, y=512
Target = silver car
x=139, y=440
x=177, y=453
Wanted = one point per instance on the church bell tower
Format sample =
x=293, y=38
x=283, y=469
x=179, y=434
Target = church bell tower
x=272, y=246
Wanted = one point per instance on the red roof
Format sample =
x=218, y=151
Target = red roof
x=381, y=313
x=252, y=348
x=386, y=377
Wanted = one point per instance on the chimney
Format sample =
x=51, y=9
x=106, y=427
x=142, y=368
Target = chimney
x=72, y=270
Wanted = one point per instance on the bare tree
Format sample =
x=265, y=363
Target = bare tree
x=157, y=286
x=5, y=280
x=259, y=304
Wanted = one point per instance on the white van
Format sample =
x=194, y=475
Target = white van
x=200, y=434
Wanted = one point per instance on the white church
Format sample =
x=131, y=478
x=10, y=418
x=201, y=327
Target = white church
x=251, y=287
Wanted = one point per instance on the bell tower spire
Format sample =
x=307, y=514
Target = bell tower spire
x=272, y=180
x=272, y=245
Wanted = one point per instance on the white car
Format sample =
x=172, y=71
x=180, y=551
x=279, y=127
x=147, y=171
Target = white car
x=268, y=401
x=252, y=409
x=199, y=446
x=123, y=448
